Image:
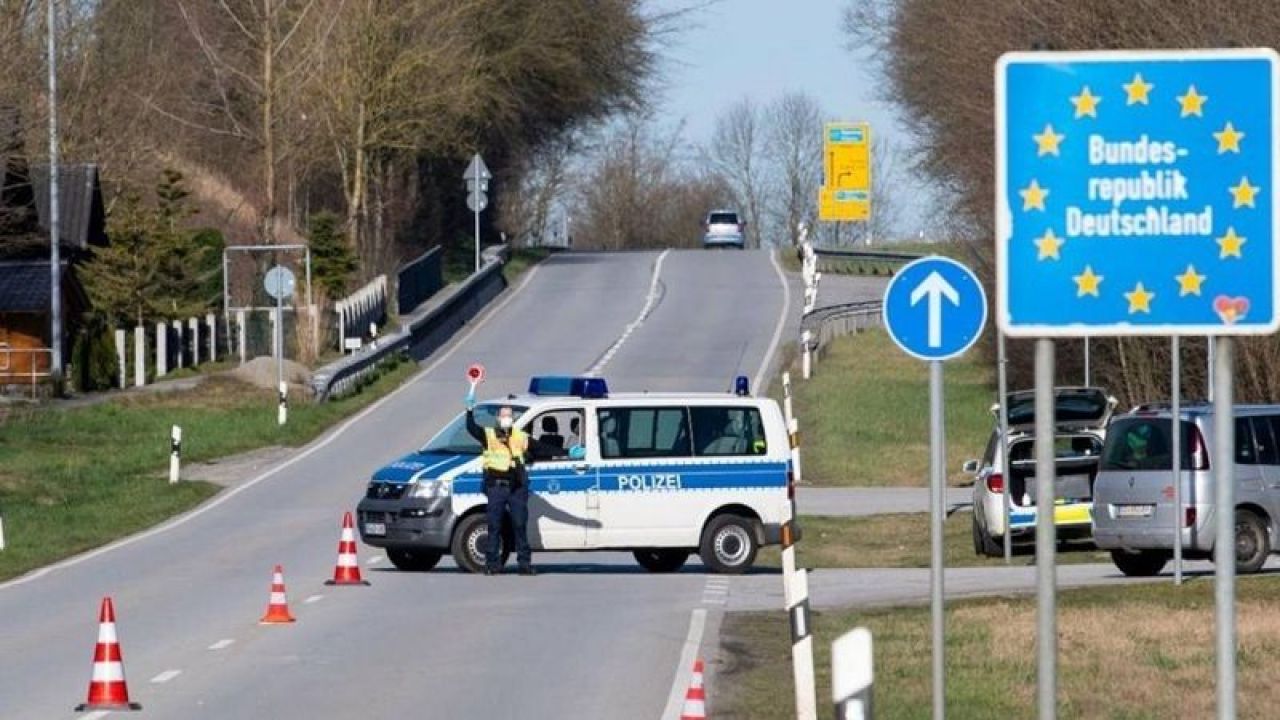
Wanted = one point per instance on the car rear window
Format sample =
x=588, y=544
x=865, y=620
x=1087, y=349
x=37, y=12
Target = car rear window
x=1144, y=444
x=723, y=219
x=1065, y=448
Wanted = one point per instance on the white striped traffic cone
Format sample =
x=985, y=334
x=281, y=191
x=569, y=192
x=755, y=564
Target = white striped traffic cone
x=695, y=700
x=278, y=605
x=347, y=571
x=107, y=688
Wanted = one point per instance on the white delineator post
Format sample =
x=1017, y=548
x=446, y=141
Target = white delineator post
x=241, y=332
x=121, y=342
x=162, y=349
x=796, y=582
x=139, y=356
x=211, y=321
x=175, y=452
x=283, y=413
x=852, y=675
x=2, y=546
x=193, y=324
x=806, y=360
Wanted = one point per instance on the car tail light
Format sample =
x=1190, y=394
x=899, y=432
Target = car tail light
x=995, y=483
x=1199, y=456
x=1191, y=516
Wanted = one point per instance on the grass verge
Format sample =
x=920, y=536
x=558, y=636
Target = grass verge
x=74, y=479
x=521, y=260
x=901, y=541
x=1140, y=651
x=864, y=415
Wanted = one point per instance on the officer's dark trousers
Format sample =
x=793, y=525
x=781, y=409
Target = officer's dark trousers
x=503, y=499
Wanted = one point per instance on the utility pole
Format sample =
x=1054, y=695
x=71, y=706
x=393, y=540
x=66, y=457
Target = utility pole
x=55, y=262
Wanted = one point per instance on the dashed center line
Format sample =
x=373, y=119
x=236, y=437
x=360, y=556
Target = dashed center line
x=166, y=676
x=650, y=300
x=222, y=644
x=313, y=599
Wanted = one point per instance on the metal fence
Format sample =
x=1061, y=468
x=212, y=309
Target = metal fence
x=418, y=280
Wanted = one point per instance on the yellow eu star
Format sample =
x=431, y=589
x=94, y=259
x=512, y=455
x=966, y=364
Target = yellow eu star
x=1139, y=299
x=1189, y=282
x=1086, y=103
x=1033, y=196
x=1137, y=90
x=1229, y=245
x=1228, y=139
x=1048, y=245
x=1047, y=141
x=1087, y=282
x=1243, y=193
x=1192, y=102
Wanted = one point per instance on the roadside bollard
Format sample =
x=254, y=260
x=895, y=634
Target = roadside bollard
x=175, y=452
x=283, y=414
x=1, y=533
x=852, y=675
x=806, y=360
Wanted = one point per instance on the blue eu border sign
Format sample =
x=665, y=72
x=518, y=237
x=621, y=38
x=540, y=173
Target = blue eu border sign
x=1136, y=193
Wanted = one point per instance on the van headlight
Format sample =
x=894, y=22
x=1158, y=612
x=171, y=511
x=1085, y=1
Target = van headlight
x=430, y=489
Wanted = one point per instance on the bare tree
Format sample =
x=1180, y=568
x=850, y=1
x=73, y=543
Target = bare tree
x=794, y=148
x=737, y=152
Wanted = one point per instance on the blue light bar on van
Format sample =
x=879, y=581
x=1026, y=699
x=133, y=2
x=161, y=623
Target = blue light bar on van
x=741, y=386
x=583, y=387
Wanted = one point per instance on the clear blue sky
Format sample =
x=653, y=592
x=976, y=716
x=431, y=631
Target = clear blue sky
x=765, y=48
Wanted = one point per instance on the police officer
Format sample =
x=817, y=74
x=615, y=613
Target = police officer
x=506, y=486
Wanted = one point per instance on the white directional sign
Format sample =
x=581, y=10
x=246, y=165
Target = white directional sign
x=280, y=282
x=934, y=308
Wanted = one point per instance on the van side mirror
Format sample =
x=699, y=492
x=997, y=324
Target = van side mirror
x=970, y=467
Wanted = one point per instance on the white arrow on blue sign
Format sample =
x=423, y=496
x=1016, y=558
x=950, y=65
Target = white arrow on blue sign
x=935, y=308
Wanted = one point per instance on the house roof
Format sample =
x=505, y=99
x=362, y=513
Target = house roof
x=80, y=209
x=24, y=286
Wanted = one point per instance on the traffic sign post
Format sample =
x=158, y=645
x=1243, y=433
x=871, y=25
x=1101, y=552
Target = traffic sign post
x=280, y=284
x=846, y=169
x=1136, y=194
x=477, y=179
x=934, y=309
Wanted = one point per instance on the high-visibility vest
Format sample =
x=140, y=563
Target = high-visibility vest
x=500, y=456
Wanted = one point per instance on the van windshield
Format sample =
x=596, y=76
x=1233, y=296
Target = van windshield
x=1146, y=444
x=454, y=438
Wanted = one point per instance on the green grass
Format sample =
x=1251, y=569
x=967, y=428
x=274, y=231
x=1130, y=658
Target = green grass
x=521, y=260
x=1141, y=651
x=71, y=480
x=864, y=415
x=900, y=541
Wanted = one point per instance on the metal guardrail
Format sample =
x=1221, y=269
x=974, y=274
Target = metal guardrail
x=828, y=323
x=420, y=335
x=831, y=254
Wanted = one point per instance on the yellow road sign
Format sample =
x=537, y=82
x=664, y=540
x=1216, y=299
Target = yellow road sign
x=846, y=160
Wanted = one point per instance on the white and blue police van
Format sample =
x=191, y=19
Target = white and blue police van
x=661, y=475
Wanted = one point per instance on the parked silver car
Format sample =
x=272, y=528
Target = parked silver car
x=1134, y=513
x=724, y=228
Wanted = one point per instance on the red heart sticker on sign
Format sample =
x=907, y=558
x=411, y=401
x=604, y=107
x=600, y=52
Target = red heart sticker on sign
x=1231, y=309
x=475, y=374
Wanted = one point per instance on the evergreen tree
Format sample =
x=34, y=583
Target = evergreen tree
x=332, y=260
x=121, y=277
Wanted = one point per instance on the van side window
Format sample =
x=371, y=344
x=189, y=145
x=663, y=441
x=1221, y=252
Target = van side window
x=644, y=432
x=1246, y=453
x=1264, y=435
x=726, y=431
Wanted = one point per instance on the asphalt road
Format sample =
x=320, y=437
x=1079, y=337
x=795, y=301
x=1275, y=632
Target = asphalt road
x=593, y=636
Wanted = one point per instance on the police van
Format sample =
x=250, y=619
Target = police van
x=660, y=475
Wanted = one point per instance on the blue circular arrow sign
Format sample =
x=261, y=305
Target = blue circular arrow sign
x=934, y=308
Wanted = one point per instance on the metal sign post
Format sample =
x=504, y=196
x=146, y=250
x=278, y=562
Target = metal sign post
x=1175, y=412
x=1002, y=387
x=1136, y=196
x=934, y=309
x=477, y=179
x=279, y=284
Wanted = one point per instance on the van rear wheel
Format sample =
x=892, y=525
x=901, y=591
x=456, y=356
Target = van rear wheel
x=1252, y=543
x=1144, y=563
x=661, y=561
x=729, y=545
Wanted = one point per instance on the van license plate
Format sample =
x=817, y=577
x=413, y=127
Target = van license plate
x=1130, y=511
x=375, y=529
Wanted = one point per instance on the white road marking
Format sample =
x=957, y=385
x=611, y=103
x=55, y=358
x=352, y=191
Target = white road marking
x=306, y=452
x=166, y=676
x=684, y=671
x=97, y=715
x=313, y=599
x=777, y=332
x=649, y=302
x=222, y=644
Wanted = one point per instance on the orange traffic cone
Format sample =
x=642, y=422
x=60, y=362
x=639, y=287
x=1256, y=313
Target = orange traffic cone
x=347, y=571
x=695, y=700
x=107, y=687
x=278, y=605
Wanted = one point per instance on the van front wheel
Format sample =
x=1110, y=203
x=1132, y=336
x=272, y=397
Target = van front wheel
x=469, y=542
x=729, y=545
x=1252, y=543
